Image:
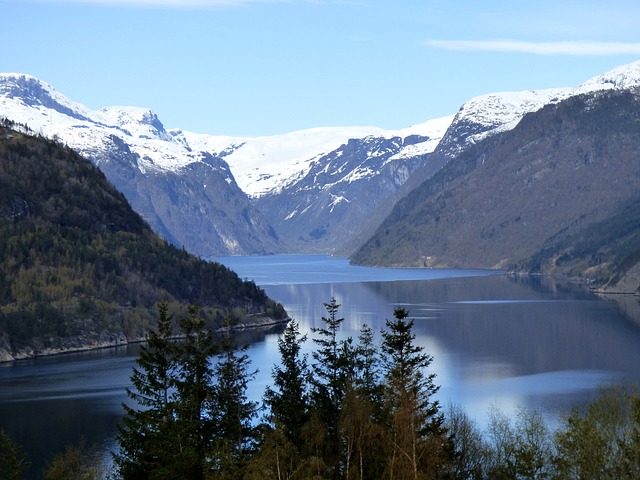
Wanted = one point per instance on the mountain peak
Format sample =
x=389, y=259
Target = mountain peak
x=35, y=93
x=622, y=77
x=139, y=121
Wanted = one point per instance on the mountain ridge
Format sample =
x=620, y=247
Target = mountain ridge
x=513, y=200
x=268, y=196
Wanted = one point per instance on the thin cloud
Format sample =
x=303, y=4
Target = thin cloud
x=164, y=3
x=538, y=48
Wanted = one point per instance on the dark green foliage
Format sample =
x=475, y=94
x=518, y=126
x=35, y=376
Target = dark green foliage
x=418, y=446
x=231, y=412
x=330, y=372
x=194, y=389
x=13, y=461
x=288, y=402
x=404, y=365
x=192, y=418
x=370, y=408
x=145, y=433
x=75, y=258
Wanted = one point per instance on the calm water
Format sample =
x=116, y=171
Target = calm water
x=496, y=340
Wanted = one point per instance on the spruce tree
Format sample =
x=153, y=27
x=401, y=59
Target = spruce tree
x=328, y=370
x=361, y=433
x=332, y=371
x=142, y=437
x=289, y=401
x=418, y=444
x=230, y=410
x=368, y=367
x=194, y=389
x=13, y=461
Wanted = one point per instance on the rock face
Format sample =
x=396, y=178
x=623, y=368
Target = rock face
x=326, y=207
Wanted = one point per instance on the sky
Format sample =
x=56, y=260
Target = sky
x=265, y=67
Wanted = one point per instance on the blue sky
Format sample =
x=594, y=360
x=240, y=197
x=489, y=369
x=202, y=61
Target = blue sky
x=263, y=67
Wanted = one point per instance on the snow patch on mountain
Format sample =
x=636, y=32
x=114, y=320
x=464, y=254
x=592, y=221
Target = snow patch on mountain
x=433, y=130
x=498, y=112
x=267, y=165
x=501, y=111
x=623, y=77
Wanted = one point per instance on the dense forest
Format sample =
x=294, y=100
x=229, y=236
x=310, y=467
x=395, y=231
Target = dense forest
x=80, y=268
x=358, y=409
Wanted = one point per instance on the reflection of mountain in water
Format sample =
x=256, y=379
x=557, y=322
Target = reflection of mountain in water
x=535, y=323
x=532, y=324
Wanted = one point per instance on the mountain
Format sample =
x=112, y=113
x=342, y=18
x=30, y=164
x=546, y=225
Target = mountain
x=218, y=195
x=323, y=208
x=316, y=190
x=556, y=193
x=188, y=197
x=80, y=269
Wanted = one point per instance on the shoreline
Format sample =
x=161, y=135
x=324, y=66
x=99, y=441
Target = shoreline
x=8, y=357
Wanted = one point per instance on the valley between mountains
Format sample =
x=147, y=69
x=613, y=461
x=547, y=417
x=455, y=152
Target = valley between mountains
x=540, y=181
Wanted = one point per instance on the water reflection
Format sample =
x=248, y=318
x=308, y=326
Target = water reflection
x=496, y=340
x=503, y=340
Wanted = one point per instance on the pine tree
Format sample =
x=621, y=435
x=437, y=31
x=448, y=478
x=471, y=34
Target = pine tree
x=142, y=437
x=230, y=410
x=333, y=365
x=360, y=430
x=368, y=367
x=417, y=436
x=194, y=390
x=289, y=402
x=13, y=461
x=328, y=370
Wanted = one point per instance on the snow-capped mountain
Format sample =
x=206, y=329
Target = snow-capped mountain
x=302, y=191
x=493, y=113
x=322, y=207
x=201, y=191
x=188, y=197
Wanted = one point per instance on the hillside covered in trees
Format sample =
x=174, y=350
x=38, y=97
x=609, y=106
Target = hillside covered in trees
x=80, y=269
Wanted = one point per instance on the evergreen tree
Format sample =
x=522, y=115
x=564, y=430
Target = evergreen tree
x=360, y=430
x=13, y=461
x=231, y=412
x=194, y=389
x=289, y=402
x=333, y=366
x=328, y=378
x=417, y=437
x=367, y=364
x=142, y=437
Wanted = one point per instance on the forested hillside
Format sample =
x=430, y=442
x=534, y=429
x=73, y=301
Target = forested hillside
x=557, y=194
x=80, y=268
